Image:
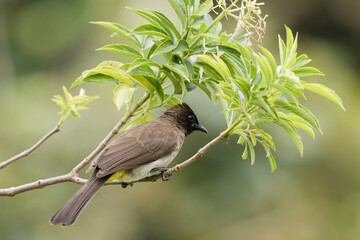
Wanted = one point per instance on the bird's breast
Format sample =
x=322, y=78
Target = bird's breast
x=144, y=171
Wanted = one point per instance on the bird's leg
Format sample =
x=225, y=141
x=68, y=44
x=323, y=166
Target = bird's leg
x=124, y=185
x=165, y=177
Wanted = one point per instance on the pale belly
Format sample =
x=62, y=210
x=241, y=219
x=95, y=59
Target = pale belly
x=144, y=171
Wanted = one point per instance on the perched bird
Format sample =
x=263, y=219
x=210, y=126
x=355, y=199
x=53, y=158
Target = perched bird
x=138, y=153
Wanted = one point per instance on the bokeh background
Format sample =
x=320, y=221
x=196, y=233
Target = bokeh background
x=45, y=44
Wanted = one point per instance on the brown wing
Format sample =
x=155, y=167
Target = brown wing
x=138, y=146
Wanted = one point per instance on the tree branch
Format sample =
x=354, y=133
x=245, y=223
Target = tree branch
x=12, y=191
x=72, y=176
x=199, y=154
x=31, y=149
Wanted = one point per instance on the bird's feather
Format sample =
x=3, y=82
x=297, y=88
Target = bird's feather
x=138, y=146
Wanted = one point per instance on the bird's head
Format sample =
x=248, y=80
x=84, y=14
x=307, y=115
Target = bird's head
x=184, y=116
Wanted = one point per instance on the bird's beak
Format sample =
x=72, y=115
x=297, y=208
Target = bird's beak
x=199, y=127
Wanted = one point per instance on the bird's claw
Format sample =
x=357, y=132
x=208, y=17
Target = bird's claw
x=124, y=185
x=164, y=176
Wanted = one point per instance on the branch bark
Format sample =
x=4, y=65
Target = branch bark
x=72, y=176
x=199, y=154
x=31, y=149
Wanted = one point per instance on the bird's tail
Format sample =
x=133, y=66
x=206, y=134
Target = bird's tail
x=69, y=213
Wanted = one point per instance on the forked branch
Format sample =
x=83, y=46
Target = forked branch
x=72, y=176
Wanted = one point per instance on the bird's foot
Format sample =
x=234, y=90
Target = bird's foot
x=164, y=176
x=124, y=185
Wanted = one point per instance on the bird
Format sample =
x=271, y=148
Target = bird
x=140, y=152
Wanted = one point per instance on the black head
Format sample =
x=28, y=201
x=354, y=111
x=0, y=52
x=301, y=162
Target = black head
x=184, y=117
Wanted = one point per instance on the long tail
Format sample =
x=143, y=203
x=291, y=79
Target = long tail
x=69, y=213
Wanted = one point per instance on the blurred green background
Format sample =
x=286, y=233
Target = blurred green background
x=45, y=44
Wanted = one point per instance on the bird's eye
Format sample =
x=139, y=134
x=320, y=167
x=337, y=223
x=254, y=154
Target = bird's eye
x=191, y=118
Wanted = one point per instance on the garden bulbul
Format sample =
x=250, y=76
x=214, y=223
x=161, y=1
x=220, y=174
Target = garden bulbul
x=138, y=153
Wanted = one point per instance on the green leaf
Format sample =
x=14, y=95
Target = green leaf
x=298, y=122
x=272, y=162
x=140, y=70
x=291, y=78
x=179, y=69
x=151, y=30
x=180, y=9
x=151, y=51
x=168, y=26
x=245, y=152
x=170, y=100
x=207, y=71
x=189, y=67
x=301, y=60
x=175, y=81
x=291, y=47
x=252, y=137
x=71, y=105
x=203, y=86
x=244, y=87
x=119, y=30
x=105, y=73
x=288, y=128
x=123, y=94
x=147, y=42
x=324, y=91
x=143, y=81
x=164, y=47
x=217, y=64
x=265, y=68
x=300, y=111
x=252, y=151
x=266, y=137
x=270, y=58
x=282, y=51
x=307, y=71
x=94, y=78
x=204, y=8
x=284, y=89
x=160, y=20
x=123, y=49
x=142, y=66
x=265, y=105
x=157, y=86
x=181, y=47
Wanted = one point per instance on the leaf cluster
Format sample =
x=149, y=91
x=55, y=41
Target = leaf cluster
x=71, y=105
x=169, y=61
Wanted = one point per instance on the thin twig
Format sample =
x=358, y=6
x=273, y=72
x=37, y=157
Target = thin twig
x=199, y=154
x=12, y=191
x=72, y=176
x=31, y=149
